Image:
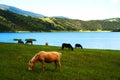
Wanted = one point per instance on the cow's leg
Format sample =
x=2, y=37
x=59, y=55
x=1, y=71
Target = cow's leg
x=55, y=64
x=58, y=64
x=43, y=65
x=62, y=47
x=31, y=42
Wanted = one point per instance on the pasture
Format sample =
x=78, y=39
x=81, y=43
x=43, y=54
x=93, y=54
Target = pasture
x=80, y=64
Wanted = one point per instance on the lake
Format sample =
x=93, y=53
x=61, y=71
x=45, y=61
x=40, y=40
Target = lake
x=92, y=40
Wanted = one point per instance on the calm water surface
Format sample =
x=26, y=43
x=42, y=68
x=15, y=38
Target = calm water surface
x=97, y=40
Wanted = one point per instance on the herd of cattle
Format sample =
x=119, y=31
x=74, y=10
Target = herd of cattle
x=68, y=45
x=64, y=45
x=27, y=41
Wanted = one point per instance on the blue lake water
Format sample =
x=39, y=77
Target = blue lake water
x=92, y=40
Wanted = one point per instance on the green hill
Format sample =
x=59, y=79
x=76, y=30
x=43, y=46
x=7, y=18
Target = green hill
x=10, y=21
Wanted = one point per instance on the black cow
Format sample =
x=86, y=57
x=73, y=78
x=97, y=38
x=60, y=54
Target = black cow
x=20, y=42
x=78, y=45
x=28, y=41
x=67, y=45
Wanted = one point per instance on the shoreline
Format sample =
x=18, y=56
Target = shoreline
x=60, y=46
x=53, y=31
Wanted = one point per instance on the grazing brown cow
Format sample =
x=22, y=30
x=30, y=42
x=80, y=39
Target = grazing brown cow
x=47, y=57
x=46, y=43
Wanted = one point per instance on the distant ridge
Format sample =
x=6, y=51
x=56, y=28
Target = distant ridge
x=60, y=17
x=113, y=19
x=12, y=21
x=20, y=11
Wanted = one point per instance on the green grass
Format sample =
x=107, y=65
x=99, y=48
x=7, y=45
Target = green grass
x=86, y=64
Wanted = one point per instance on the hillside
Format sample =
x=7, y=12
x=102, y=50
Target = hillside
x=10, y=21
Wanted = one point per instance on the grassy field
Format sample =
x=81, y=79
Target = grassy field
x=86, y=64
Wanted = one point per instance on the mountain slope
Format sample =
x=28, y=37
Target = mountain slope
x=19, y=11
x=10, y=21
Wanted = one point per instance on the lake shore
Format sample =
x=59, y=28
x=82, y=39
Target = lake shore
x=94, y=31
x=58, y=31
x=94, y=40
